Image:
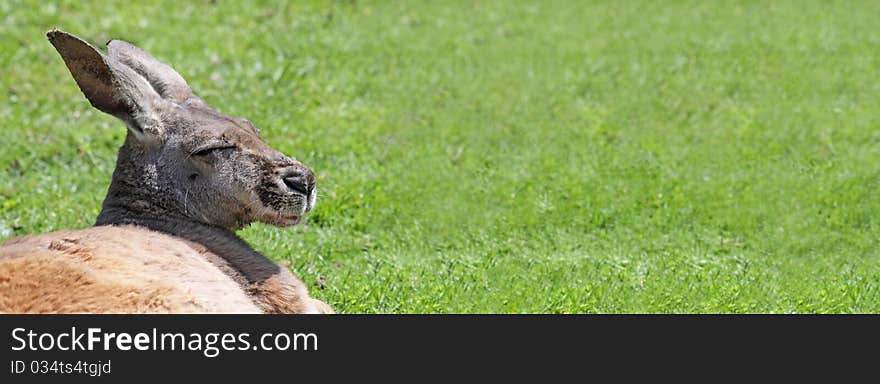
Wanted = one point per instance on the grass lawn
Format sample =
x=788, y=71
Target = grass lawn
x=504, y=156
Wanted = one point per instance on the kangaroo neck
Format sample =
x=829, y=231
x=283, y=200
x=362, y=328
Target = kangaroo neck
x=247, y=262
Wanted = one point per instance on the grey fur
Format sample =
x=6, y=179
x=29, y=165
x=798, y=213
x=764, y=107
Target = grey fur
x=167, y=82
x=186, y=169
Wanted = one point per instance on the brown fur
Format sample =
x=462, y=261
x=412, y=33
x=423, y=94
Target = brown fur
x=123, y=269
x=186, y=178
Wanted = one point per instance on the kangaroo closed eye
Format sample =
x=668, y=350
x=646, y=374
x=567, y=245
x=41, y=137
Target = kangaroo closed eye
x=208, y=150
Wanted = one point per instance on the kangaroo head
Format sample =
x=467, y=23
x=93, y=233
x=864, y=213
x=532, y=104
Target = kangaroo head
x=181, y=157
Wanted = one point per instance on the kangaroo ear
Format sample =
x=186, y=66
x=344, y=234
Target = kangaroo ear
x=109, y=85
x=161, y=76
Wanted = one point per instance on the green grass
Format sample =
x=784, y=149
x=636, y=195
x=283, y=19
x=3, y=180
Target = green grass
x=501, y=156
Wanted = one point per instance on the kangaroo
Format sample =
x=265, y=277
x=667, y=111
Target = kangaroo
x=186, y=178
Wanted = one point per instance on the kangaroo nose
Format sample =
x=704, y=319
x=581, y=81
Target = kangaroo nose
x=299, y=180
